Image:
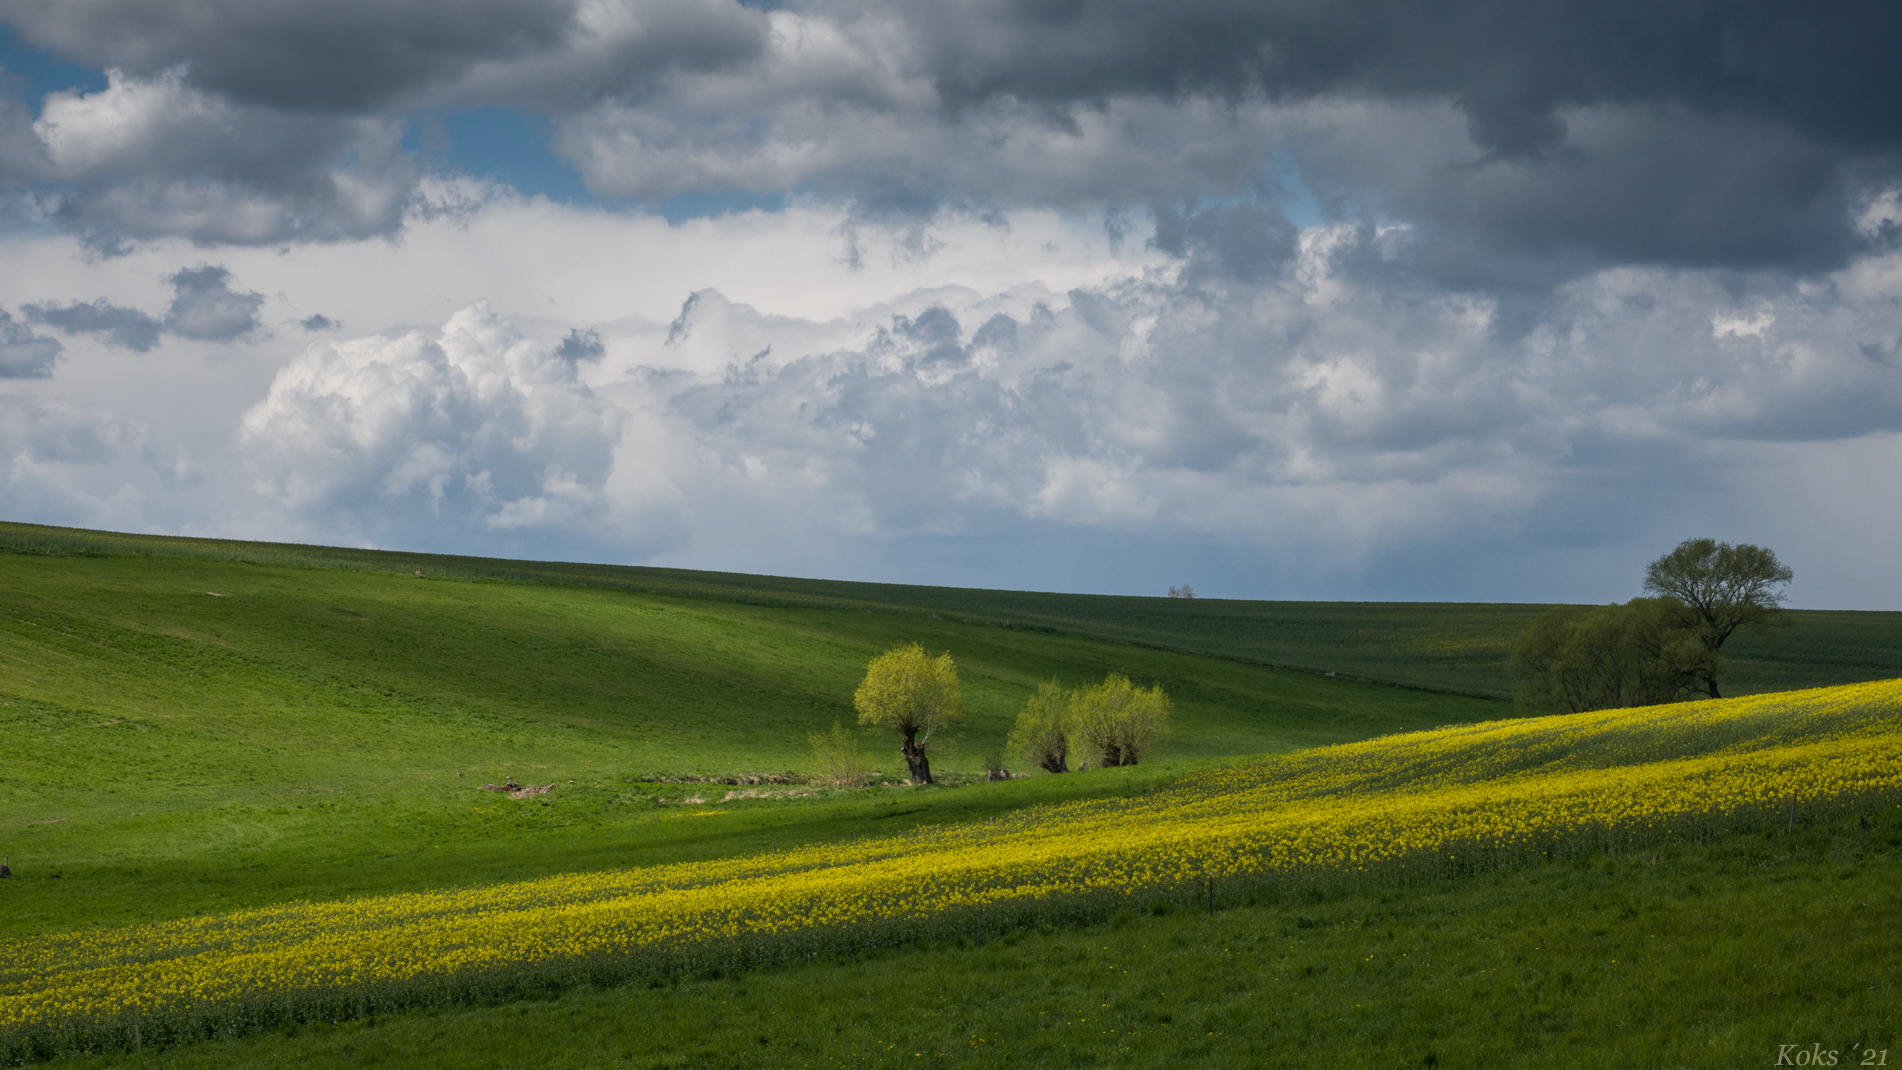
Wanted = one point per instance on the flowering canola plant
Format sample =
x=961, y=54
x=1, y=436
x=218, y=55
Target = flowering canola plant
x=1424, y=802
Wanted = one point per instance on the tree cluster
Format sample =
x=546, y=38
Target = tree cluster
x=1578, y=659
x=1652, y=650
x=1114, y=721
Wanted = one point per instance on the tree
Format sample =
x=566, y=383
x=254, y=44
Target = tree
x=906, y=690
x=1119, y=721
x=1610, y=657
x=1719, y=588
x=1184, y=591
x=1042, y=733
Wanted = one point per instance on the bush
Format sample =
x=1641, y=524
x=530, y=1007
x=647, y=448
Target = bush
x=836, y=758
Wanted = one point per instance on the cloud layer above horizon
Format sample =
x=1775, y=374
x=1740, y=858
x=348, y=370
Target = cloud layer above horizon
x=1286, y=300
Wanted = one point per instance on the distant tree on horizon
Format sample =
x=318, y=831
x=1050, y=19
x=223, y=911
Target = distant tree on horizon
x=1184, y=591
x=1658, y=649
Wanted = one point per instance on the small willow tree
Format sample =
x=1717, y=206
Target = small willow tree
x=1042, y=734
x=916, y=695
x=1120, y=721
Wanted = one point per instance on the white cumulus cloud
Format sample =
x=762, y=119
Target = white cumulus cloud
x=469, y=425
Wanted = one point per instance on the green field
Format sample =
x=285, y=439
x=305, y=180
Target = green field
x=185, y=735
x=1700, y=955
x=1456, y=647
x=192, y=726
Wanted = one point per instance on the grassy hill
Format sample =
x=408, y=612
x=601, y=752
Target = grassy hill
x=191, y=727
x=1454, y=647
x=185, y=734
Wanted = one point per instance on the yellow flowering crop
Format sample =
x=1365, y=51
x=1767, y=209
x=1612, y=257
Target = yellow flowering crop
x=1420, y=802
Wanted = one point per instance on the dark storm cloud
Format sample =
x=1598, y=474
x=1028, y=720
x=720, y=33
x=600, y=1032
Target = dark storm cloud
x=360, y=56
x=1824, y=68
x=1527, y=144
x=348, y=55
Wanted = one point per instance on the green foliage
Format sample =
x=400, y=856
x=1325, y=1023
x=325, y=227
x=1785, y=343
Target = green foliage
x=1716, y=588
x=1611, y=657
x=1118, y=721
x=1041, y=736
x=836, y=759
x=913, y=693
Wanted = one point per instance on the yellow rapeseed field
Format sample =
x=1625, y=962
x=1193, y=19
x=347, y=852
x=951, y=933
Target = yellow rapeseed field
x=1426, y=803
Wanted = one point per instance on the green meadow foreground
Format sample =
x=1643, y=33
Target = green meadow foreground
x=245, y=796
x=1399, y=811
x=1710, y=954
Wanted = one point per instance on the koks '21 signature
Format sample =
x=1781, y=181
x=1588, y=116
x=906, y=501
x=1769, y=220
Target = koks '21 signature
x=1817, y=1055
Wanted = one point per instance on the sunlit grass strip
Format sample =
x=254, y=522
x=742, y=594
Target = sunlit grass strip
x=1424, y=804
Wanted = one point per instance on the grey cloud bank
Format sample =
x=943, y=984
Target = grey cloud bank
x=1449, y=301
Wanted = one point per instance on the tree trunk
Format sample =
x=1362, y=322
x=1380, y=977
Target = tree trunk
x=1712, y=681
x=915, y=759
x=1056, y=763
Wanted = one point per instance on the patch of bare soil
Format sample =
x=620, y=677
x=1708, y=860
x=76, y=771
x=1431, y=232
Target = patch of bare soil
x=520, y=791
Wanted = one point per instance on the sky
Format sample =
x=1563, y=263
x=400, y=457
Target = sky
x=1279, y=299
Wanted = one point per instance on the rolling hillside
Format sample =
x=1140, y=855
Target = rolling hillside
x=1455, y=647
x=186, y=734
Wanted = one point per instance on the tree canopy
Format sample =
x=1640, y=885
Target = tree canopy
x=1608, y=657
x=916, y=694
x=1718, y=588
x=1042, y=734
x=1119, y=721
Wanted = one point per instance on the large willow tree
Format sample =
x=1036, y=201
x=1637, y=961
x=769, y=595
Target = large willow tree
x=913, y=693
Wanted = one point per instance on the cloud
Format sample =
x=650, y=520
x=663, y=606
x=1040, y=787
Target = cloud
x=1529, y=150
x=469, y=427
x=149, y=157
x=204, y=307
x=317, y=321
x=62, y=463
x=580, y=345
x=23, y=354
x=115, y=325
x=1308, y=394
x=361, y=57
